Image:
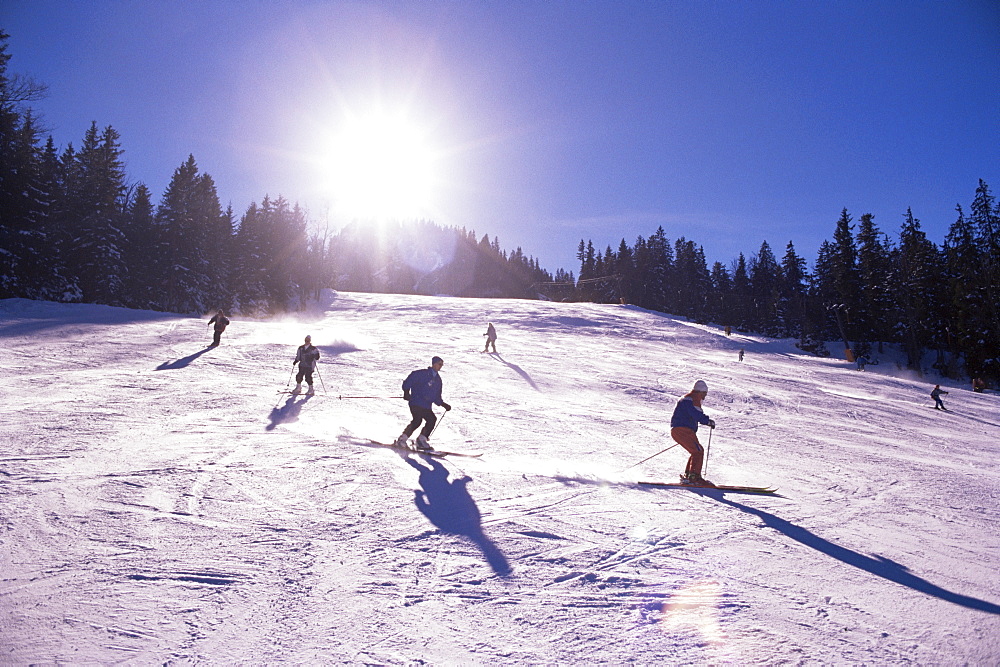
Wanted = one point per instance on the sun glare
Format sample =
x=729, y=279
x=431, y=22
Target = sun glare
x=382, y=167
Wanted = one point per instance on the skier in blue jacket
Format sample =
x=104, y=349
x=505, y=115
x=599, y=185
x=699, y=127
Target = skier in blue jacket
x=422, y=389
x=684, y=430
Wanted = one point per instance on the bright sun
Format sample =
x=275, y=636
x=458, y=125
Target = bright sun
x=382, y=167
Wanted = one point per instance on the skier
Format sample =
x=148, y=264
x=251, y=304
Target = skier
x=741, y=354
x=422, y=389
x=221, y=322
x=684, y=430
x=978, y=385
x=306, y=357
x=491, y=338
x=862, y=362
x=936, y=395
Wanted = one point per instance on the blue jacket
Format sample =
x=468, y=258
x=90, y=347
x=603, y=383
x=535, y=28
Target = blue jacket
x=686, y=414
x=424, y=387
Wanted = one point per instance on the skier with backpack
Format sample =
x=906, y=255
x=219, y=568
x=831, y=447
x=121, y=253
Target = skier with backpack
x=422, y=389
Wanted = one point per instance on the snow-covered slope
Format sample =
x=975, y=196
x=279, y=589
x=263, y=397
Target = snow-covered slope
x=160, y=502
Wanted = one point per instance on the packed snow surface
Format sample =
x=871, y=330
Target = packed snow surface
x=161, y=502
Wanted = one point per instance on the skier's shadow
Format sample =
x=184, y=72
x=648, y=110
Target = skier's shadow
x=877, y=565
x=970, y=417
x=448, y=505
x=182, y=362
x=289, y=412
x=517, y=369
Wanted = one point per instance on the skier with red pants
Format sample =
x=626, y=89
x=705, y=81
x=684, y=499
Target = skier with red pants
x=684, y=430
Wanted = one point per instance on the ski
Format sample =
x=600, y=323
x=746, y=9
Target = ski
x=717, y=487
x=439, y=453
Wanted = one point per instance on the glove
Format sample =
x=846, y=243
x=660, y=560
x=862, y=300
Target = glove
x=711, y=423
x=406, y=395
x=445, y=406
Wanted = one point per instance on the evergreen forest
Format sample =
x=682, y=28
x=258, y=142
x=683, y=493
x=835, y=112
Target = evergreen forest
x=74, y=228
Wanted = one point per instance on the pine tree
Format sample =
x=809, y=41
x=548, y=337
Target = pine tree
x=693, y=279
x=190, y=222
x=720, y=295
x=765, y=290
x=741, y=302
x=916, y=281
x=844, y=264
x=23, y=199
x=94, y=211
x=967, y=310
x=985, y=216
x=140, y=248
x=659, y=271
x=874, y=316
x=23, y=209
x=625, y=269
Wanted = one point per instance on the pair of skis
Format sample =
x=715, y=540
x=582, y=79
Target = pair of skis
x=765, y=490
x=439, y=453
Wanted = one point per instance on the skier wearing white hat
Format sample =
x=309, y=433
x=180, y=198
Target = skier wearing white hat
x=306, y=356
x=684, y=430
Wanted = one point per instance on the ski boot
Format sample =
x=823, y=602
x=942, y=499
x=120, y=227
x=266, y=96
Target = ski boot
x=422, y=443
x=297, y=389
x=692, y=479
x=401, y=440
x=311, y=391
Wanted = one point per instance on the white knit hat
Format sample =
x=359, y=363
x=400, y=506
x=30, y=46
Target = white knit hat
x=700, y=386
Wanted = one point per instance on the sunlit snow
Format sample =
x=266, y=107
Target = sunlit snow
x=160, y=501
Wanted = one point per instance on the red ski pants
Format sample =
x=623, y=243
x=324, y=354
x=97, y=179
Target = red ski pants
x=688, y=439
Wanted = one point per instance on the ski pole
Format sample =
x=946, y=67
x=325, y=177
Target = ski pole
x=343, y=397
x=289, y=380
x=649, y=457
x=440, y=419
x=708, y=450
x=323, y=384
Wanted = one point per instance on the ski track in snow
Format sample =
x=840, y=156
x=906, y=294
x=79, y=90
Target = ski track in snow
x=161, y=502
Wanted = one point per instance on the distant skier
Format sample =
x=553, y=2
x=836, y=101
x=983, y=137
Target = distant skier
x=221, y=322
x=741, y=354
x=862, y=362
x=491, y=338
x=936, y=395
x=684, y=430
x=422, y=389
x=306, y=357
x=978, y=385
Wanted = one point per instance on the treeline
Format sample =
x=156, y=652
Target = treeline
x=73, y=228
x=865, y=289
x=423, y=258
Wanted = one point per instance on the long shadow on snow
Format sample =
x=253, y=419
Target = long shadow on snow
x=970, y=417
x=448, y=505
x=288, y=412
x=879, y=566
x=516, y=369
x=184, y=361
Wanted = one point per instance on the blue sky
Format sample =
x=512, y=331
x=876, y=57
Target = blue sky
x=729, y=123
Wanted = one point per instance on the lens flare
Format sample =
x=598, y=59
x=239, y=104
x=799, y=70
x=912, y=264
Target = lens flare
x=695, y=606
